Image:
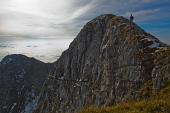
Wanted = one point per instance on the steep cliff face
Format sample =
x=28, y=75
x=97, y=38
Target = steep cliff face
x=107, y=63
x=21, y=79
x=161, y=70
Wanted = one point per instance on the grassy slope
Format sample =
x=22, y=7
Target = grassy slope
x=156, y=103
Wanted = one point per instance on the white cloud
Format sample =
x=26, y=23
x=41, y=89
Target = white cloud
x=83, y=10
x=64, y=17
x=142, y=1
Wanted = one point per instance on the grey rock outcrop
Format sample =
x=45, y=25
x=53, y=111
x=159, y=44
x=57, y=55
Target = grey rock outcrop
x=161, y=71
x=107, y=63
x=21, y=79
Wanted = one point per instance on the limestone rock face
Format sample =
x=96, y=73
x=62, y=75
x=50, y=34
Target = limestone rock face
x=161, y=71
x=21, y=79
x=107, y=63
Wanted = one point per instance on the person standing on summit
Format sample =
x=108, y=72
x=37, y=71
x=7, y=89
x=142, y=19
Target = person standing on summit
x=131, y=20
x=131, y=25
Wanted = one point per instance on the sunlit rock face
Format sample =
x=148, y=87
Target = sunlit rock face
x=107, y=63
x=21, y=79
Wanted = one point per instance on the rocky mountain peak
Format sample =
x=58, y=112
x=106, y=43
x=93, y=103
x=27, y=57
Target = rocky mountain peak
x=15, y=58
x=107, y=63
x=21, y=79
x=120, y=27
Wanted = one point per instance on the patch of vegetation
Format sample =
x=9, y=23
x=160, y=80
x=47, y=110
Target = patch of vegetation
x=146, y=91
x=158, y=102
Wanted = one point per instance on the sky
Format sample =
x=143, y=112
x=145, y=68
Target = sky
x=65, y=18
x=38, y=27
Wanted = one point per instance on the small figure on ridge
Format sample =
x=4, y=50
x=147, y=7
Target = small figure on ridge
x=131, y=20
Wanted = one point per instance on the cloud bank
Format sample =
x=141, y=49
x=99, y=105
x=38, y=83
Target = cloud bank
x=64, y=18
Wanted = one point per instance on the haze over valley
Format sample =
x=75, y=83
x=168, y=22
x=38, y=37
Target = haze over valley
x=44, y=49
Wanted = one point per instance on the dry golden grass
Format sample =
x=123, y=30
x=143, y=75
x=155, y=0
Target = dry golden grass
x=157, y=103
